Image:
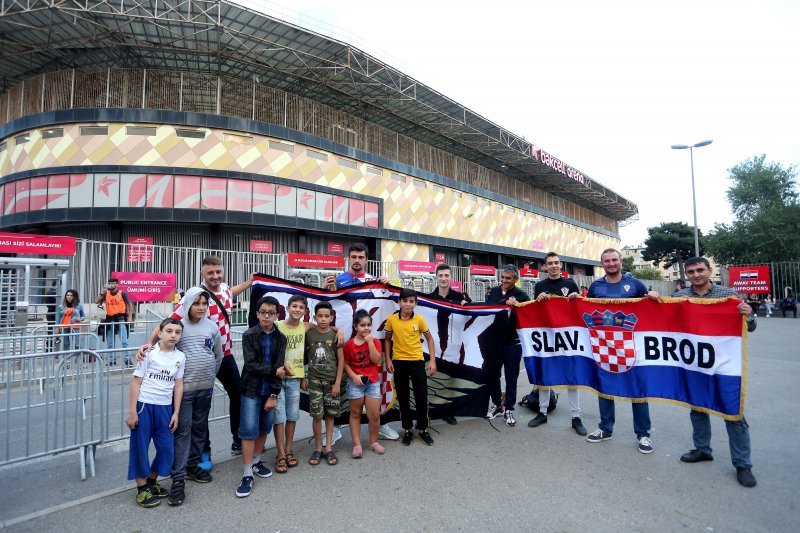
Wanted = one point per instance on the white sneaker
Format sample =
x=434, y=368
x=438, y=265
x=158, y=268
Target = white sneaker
x=337, y=434
x=388, y=433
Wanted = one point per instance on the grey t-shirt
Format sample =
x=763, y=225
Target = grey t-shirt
x=202, y=344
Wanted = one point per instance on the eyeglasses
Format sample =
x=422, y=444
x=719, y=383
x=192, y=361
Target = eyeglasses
x=266, y=313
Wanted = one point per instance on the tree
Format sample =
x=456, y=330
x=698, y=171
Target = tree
x=669, y=243
x=764, y=200
x=648, y=273
x=627, y=264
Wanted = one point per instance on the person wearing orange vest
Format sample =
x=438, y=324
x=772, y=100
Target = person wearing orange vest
x=118, y=313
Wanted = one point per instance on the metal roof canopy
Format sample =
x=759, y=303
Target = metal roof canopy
x=219, y=37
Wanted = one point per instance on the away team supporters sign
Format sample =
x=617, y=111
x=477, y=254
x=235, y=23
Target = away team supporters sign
x=674, y=350
x=750, y=280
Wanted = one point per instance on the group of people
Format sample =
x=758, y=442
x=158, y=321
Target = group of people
x=173, y=382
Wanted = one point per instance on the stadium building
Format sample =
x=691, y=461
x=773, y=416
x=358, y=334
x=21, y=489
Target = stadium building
x=207, y=125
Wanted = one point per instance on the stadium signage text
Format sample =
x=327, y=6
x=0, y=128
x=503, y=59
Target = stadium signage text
x=557, y=164
x=25, y=243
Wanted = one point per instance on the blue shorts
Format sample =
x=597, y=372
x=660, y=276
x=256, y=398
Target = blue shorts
x=288, y=402
x=254, y=420
x=153, y=425
x=370, y=390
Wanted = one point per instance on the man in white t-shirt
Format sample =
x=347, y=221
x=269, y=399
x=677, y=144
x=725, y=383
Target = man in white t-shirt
x=220, y=306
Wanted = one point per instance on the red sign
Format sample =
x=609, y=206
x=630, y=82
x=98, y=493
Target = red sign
x=147, y=286
x=260, y=246
x=528, y=273
x=140, y=249
x=439, y=258
x=315, y=261
x=415, y=266
x=335, y=247
x=457, y=286
x=482, y=270
x=25, y=243
x=750, y=280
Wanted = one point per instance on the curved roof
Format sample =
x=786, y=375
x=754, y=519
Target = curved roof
x=219, y=37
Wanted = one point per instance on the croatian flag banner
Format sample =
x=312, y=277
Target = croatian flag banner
x=465, y=340
x=675, y=350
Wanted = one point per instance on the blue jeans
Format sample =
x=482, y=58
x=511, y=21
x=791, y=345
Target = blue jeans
x=288, y=405
x=254, y=419
x=116, y=324
x=641, y=417
x=511, y=358
x=738, y=437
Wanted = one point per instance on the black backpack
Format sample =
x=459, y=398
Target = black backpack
x=531, y=401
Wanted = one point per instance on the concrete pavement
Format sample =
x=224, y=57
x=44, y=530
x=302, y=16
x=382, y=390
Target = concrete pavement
x=478, y=475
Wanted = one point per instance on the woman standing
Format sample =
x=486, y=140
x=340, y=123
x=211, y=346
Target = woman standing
x=69, y=315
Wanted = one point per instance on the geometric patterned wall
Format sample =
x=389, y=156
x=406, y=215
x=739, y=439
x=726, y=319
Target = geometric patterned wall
x=410, y=204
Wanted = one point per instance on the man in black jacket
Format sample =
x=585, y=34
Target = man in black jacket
x=263, y=347
x=507, y=293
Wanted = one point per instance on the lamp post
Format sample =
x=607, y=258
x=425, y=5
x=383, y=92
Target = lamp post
x=694, y=197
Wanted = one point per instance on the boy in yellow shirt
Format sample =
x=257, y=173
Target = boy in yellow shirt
x=405, y=359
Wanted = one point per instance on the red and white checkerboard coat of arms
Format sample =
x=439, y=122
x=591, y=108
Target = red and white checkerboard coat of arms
x=611, y=336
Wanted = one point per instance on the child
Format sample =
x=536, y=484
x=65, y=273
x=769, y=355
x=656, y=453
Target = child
x=325, y=365
x=362, y=362
x=263, y=347
x=404, y=358
x=202, y=345
x=287, y=412
x=154, y=404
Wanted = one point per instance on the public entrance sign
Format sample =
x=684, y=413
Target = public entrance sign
x=28, y=243
x=750, y=280
x=147, y=286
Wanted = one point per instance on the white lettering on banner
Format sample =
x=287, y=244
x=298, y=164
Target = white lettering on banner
x=698, y=353
x=557, y=164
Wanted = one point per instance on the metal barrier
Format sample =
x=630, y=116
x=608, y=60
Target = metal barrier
x=52, y=403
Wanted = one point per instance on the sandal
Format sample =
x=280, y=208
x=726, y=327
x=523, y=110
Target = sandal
x=357, y=452
x=281, y=466
x=332, y=459
x=291, y=460
x=315, y=458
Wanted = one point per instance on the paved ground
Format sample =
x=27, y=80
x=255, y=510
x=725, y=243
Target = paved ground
x=475, y=477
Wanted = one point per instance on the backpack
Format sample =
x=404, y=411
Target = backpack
x=531, y=401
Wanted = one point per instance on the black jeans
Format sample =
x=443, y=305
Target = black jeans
x=413, y=372
x=510, y=359
x=192, y=431
x=228, y=375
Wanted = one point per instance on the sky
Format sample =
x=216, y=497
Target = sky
x=606, y=86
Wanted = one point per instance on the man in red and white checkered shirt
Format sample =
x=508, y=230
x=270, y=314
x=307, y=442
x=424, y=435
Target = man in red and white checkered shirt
x=212, y=275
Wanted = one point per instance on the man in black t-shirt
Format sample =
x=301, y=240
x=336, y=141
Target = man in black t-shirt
x=556, y=285
x=444, y=291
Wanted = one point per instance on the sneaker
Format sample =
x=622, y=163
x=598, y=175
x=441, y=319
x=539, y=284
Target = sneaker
x=198, y=475
x=509, y=418
x=205, y=462
x=645, y=445
x=537, y=420
x=495, y=411
x=236, y=448
x=177, y=493
x=158, y=491
x=408, y=437
x=388, y=433
x=260, y=470
x=337, y=434
x=426, y=438
x=745, y=477
x=145, y=498
x=598, y=436
x=246, y=487
x=696, y=456
x=577, y=425
x=450, y=419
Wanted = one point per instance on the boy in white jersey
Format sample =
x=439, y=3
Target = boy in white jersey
x=154, y=404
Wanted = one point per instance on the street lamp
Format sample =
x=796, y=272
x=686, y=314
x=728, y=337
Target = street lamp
x=694, y=198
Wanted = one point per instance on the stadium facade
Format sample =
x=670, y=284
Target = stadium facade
x=209, y=125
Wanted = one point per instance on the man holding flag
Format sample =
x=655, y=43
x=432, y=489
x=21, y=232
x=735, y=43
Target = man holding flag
x=698, y=271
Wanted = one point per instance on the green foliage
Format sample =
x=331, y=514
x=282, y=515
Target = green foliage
x=764, y=199
x=669, y=243
x=649, y=273
x=627, y=264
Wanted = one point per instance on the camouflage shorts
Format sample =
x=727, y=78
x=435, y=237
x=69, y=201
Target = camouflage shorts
x=321, y=400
